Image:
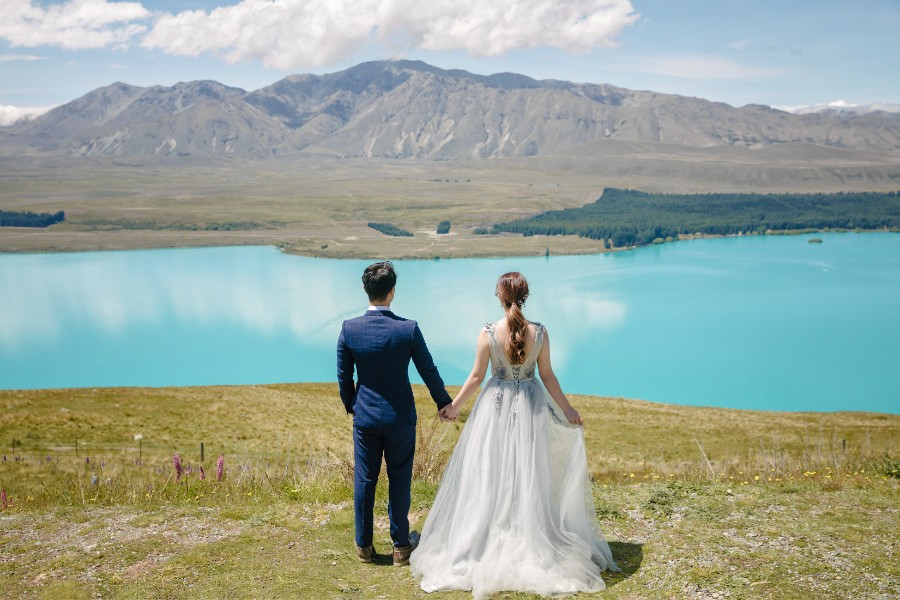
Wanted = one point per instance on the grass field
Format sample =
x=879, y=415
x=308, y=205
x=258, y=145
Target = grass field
x=314, y=207
x=696, y=502
x=320, y=206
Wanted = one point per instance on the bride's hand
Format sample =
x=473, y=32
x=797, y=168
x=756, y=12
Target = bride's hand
x=449, y=413
x=573, y=417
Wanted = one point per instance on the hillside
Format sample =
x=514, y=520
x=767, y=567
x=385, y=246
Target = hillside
x=790, y=504
x=406, y=109
x=307, y=162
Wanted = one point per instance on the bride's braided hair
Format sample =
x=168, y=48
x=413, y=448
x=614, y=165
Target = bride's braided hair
x=512, y=289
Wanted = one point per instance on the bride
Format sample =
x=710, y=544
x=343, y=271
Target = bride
x=514, y=510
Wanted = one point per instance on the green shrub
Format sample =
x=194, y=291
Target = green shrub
x=389, y=229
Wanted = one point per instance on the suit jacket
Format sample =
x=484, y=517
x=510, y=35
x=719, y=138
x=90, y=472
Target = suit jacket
x=379, y=345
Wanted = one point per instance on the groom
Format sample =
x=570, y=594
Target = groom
x=379, y=345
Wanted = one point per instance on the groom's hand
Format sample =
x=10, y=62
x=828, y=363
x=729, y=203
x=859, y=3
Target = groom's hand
x=449, y=413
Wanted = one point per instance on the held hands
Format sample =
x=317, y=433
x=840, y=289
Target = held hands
x=448, y=413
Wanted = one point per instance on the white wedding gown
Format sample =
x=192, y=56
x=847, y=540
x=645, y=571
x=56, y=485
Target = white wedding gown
x=514, y=510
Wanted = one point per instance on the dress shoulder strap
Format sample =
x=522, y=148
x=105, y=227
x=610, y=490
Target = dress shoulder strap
x=498, y=356
x=539, y=330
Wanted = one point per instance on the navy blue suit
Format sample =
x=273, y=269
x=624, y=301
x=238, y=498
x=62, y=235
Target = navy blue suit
x=379, y=346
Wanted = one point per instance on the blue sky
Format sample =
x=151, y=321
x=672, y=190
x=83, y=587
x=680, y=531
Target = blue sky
x=780, y=53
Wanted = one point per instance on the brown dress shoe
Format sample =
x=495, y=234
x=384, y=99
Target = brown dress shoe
x=401, y=555
x=366, y=554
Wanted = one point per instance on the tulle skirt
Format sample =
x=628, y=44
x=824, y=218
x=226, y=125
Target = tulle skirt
x=514, y=510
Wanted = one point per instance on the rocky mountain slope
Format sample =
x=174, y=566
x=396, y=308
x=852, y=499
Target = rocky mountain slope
x=404, y=109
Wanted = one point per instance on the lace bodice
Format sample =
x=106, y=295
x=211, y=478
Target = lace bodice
x=501, y=368
x=514, y=510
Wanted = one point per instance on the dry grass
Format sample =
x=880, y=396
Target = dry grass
x=299, y=206
x=277, y=432
x=319, y=206
x=630, y=436
x=785, y=511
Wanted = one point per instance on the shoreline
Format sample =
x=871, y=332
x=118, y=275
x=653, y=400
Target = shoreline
x=457, y=247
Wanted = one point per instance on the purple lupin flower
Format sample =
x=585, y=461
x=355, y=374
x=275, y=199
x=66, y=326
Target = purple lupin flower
x=176, y=462
x=220, y=468
x=2, y=499
x=202, y=474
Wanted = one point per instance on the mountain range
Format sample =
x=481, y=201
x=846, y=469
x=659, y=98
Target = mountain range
x=408, y=109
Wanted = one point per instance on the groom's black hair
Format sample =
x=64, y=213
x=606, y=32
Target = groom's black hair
x=379, y=279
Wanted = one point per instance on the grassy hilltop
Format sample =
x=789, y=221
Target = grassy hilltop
x=696, y=502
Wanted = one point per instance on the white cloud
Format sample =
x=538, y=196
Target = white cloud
x=20, y=57
x=76, y=24
x=698, y=66
x=492, y=29
x=282, y=34
x=840, y=106
x=12, y=114
x=290, y=34
x=810, y=108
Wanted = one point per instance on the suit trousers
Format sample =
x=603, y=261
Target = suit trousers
x=397, y=444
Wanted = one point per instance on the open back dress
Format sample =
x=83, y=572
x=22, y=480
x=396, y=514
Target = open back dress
x=514, y=510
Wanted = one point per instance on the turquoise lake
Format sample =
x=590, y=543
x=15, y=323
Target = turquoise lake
x=766, y=322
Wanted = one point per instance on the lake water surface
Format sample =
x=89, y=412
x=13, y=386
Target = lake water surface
x=763, y=322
